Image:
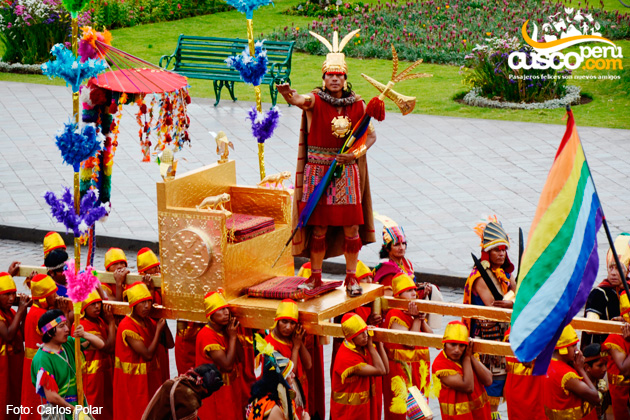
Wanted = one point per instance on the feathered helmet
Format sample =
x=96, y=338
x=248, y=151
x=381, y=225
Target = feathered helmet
x=492, y=236
x=335, y=62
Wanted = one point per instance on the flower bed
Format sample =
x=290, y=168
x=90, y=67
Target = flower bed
x=438, y=31
x=325, y=10
x=572, y=97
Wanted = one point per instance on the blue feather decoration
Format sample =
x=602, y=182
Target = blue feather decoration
x=252, y=70
x=264, y=124
x=70, y=68
x=62, y=209
x=247, y=7
x=77, y=145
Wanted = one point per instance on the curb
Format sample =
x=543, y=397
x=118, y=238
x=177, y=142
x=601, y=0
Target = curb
x=441, y=278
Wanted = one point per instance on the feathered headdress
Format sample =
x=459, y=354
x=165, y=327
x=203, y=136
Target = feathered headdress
x=335, y=60
x=491, y=233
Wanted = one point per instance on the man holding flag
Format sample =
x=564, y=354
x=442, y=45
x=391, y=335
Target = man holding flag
x=341, y=221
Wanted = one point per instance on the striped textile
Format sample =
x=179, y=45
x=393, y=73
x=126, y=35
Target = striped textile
x=285, y=287
x=560, y=261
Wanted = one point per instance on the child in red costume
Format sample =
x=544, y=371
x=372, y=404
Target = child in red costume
x=461, y=377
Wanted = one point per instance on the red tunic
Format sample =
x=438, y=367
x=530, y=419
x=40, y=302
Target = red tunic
x=340, y=204
x=352, y=397
x=619, y=385
x=135, y=379
x=285, y=348
x=11, y=361
x=226, y=403
x=98, y=372
x=185, y=342
x=523, y=392
x=412, y=364
x=561, y=404
x=456, y=405
x=30, y=400
x=316, y=379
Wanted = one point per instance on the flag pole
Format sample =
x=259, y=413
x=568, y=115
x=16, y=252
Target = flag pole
x=605, y=223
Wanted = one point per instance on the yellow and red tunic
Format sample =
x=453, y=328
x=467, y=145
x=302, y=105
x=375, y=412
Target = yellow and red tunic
x=98, y=371
x=135, y=379
x=11, y=361
x=560, y=403
x=286, y=348
x=352, y=397
x=410, y=363
x=456, y=405
x=619, y=385
x=32, y=337
x=260, y=409
x=523, y=392
x=225, y=403
x=185, y=342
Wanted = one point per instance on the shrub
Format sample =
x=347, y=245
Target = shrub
x=438, y=31
x=29, y=29
x=487, y=70
x=324, y=10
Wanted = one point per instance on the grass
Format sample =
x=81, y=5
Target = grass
x=609, y=5
x=610, y=107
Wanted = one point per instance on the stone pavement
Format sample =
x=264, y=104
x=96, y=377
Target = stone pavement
x=436, y=176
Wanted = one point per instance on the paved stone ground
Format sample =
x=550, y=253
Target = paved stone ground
x=436, y=176
x=31, y=254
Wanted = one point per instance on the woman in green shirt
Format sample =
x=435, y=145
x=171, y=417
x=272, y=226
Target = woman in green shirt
x=53, y=371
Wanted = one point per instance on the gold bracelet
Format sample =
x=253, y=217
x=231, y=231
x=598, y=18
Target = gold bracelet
x=290, y=95
x=360, y=151
x=307, y=99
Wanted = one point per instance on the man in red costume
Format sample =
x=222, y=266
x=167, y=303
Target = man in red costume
x=618, y=365
x=357, y=365
x=342, y=221
x=568, y=393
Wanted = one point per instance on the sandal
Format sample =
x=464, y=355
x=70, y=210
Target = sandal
x=313, y=282
x=353, y=288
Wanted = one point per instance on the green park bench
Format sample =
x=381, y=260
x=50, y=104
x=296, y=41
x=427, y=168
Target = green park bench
x=200, y=57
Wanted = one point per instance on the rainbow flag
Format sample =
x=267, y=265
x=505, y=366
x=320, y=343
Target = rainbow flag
x=560, y=261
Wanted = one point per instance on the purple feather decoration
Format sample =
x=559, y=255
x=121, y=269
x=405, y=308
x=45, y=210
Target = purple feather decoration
x=264, y=124
x=62, y=209
x=252, y=70
x=80, y=285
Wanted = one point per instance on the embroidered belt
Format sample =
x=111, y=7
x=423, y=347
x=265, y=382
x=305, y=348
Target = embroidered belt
x=132, y=368
x=458, y=409
x=574, y=413
x=322, y=155
x=354, y=398
x=29, y=353
x=519, y=369
x=618, y=380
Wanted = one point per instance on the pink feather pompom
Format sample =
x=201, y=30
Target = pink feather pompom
x=80, y=285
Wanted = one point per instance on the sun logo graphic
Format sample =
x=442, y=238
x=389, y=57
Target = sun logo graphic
x=567, y=29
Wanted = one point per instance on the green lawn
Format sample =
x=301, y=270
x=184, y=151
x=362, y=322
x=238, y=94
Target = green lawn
x=609, y=5
x=610, y=107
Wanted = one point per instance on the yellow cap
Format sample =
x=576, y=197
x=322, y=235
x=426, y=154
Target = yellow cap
x=401, y=283
x=352, y=325
x=136, y=293
x=7, y=285
x=456, y=332
x=567, y=338
x=53, y=240
x=113, y=256
x=287, y=309
x=213, y=301
x=42, y=286
x=622, y=246
x=147, y=260
x=362, y=270
x=93, y=297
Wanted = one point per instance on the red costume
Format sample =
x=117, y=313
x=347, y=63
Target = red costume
x=410, y=363
x=32, y=337
x=315, y=376
x=561, y=404
x=185, y=342
x=619, y=385
x=135, y=379
x=98, y=372
x=11, y=363
x=286, y=348
x=352, y=397
x=458, y=405
x=226, y=403
x=523, y=392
